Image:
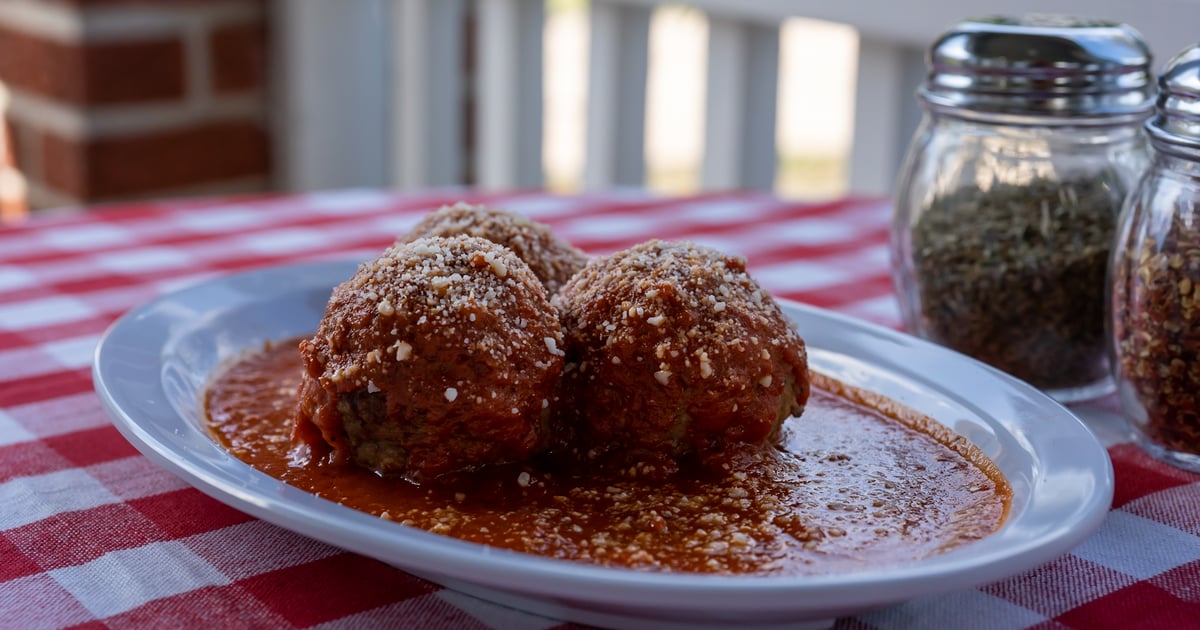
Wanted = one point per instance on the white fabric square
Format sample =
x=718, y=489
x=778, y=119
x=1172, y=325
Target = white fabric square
x=15, y=278
x=347, y=201
x=227, y=219
x=232, y=549
x=143, y=259
x=395, y=225
x=60, y=415
x=963, y=609
x=120, y=299
x=806, y=232
x=123, y=580
x=723, y=211
x=540, y=207
x=342, y=255
x=31, y=499
x=27, y=362
x=284, y=241
x=73, y=353
x=1108, y=546
x=135, y=477
x=609, y=226
x=43, y=312
x=60, y=270
x=85, y=237
x=37, y=601
x=794, y=276
x=11, y=431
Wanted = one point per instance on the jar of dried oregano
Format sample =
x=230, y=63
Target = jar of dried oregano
x=1155, y=305
x=1007, y=203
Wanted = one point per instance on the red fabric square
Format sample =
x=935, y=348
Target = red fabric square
x=95, y=283
x=25, y=459
x=1176, y=507
x=1141, y=605
x=186, y=512
x=1138, y=474
x=56, y=332
x=22, y=391
x=1183, y=582
x=73, y=538
x=13, y=563
x=91, y=446
x=1062, y=584
x=334, y=587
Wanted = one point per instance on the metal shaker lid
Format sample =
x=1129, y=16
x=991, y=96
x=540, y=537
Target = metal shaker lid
x=1041, y=65
x=1177, y=119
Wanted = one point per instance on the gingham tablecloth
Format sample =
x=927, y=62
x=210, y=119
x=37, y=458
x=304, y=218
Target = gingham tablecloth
x=92, y=534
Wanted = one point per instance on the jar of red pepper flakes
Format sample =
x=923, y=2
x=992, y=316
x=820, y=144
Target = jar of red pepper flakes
x=1155, y=278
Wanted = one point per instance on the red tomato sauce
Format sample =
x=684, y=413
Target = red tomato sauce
x=858, y=481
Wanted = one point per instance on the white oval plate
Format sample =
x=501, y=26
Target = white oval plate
x=152, y=366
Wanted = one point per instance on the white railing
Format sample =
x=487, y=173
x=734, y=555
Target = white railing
x=373, y=91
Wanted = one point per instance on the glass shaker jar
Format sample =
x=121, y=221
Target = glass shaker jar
x=1007, y=202
x=1155, y=300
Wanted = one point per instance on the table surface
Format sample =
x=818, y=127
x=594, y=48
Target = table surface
x=93, y=533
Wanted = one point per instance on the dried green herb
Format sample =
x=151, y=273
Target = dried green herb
x=1156, y=324
x=1015, y=275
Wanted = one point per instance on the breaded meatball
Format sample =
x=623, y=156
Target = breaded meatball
x=441, y=355
x=552, y=259
x=674, y=353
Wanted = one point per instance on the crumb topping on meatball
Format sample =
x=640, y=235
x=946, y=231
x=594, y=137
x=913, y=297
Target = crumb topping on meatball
x=675, y=351
x=440, y=354
x=552, y=259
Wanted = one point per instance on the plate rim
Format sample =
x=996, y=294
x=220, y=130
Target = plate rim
x=579, y=582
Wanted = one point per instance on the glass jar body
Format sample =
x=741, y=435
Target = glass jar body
x=1154, y=310
x=1001, y=240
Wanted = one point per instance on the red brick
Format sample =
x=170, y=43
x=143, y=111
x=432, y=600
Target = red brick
x=131, y=72
x=238, y=57
x=39, y=65
x=106, y=168
x=103, y=73
x=64, y=165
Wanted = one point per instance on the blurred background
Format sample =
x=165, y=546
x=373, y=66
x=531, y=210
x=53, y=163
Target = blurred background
x=108, y=100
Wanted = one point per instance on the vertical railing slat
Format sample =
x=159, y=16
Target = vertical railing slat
x=743, y=67
x=725, y=102
x=333, y=94
x=508, y=98
x=760, y=153
x=618, y=54
x=427, y=87
x=885, y=114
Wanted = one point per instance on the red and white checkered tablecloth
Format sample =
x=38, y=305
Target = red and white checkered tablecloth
x=92, y=534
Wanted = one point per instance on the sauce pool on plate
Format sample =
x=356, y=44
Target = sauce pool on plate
x=856, y=482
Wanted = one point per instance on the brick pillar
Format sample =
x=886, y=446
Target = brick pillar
x=118, y=99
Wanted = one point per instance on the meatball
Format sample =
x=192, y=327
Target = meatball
x=441, y=355
x=552, y=259
x=674, y=353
